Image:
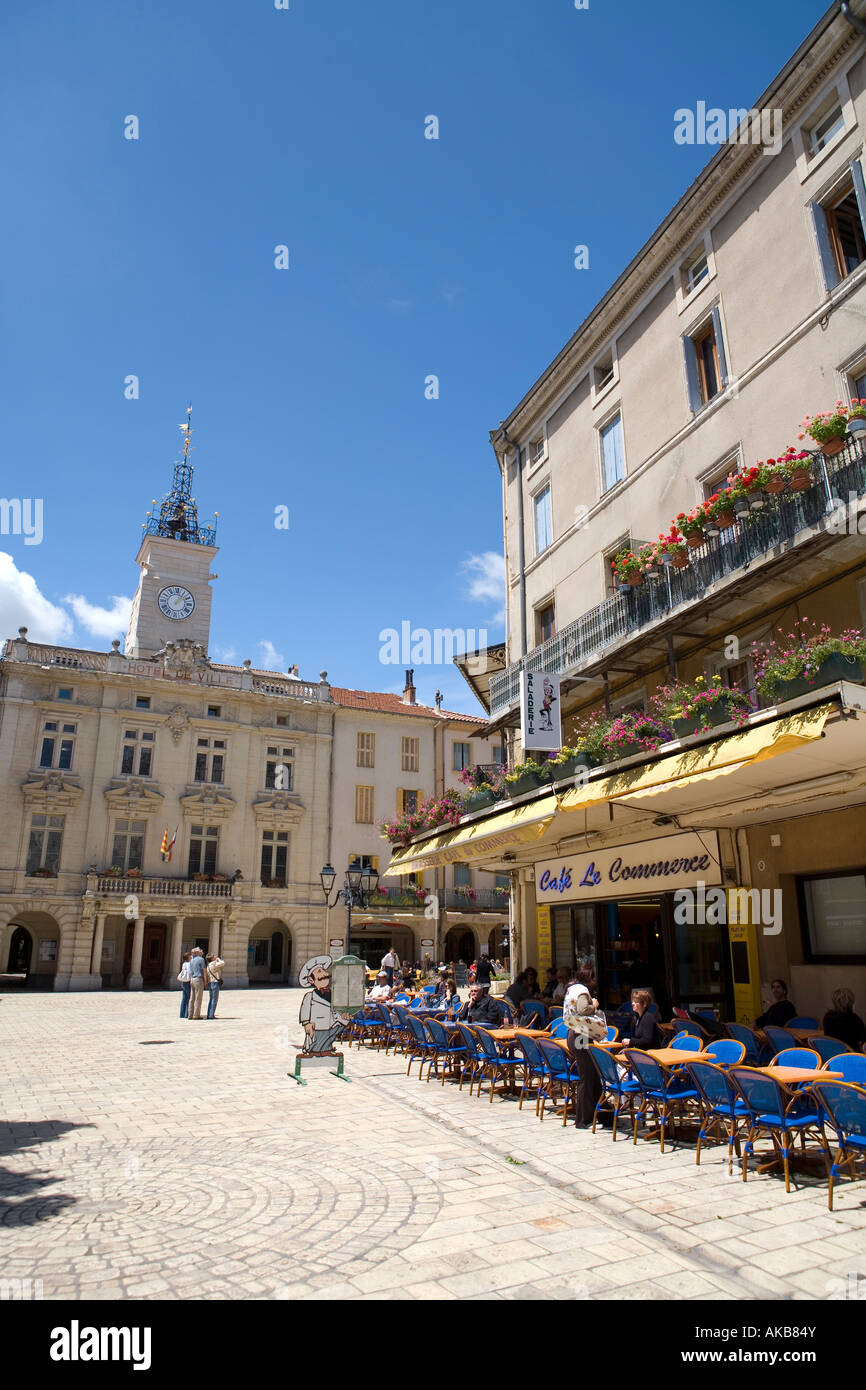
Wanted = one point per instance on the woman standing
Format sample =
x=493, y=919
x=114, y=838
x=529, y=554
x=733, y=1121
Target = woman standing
x=214, y=983
x=580, y=1012
x=185, y=985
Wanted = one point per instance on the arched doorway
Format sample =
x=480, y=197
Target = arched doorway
x=460, y=945
x=20, y=952
x=497, y=942
x=269, y=953
x=372, y=939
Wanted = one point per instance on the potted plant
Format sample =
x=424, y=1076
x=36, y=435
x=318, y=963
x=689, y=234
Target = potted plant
x=628, y=569
x=827, y=428
x=738, y=496
x=721, y=508
x=673, y=549
x=857, y=416
x=633, y=732
x=133, y=873
x=775, y=479
x=797, y=465
x=807, y=657
x=565, y=763
x=691, y=525
x=754, y=484
x=693, y=706
x=526, y=777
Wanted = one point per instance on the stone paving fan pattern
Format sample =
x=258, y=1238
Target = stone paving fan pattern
x=198, y=1170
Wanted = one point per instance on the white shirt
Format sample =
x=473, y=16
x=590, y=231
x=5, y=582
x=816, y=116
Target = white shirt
x=184, y=971
x=316, y=1010
x=389, y=961
x=379, y=992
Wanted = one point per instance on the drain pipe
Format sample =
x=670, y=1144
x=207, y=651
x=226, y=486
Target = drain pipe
x=521, y=543
x=854, y=20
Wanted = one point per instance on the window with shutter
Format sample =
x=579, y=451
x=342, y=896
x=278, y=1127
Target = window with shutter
x=543, y=521
x=613, y=452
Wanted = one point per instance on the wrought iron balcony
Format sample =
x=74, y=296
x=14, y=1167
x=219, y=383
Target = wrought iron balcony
x=748, y=542
x=476, y=900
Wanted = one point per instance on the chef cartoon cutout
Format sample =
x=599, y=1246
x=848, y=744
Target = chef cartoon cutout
x=321, y=1024
x=547, y=705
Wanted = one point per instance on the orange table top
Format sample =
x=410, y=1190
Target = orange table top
x=669, y=1056
x=789, y=1074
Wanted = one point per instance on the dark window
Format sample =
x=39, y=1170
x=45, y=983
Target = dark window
x=142, y=702
x=47, y=756
x=64, y=694
x=201, y=767
x=834, y=917
x=217, y=768
x=545, y=623
x=127, y=762
x=144, y=762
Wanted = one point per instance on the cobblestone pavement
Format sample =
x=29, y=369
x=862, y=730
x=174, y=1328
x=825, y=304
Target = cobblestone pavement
x=142, y=1158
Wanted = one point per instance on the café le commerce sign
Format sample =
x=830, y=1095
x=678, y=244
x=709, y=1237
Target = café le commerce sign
x=540, y=717
x=659, y=866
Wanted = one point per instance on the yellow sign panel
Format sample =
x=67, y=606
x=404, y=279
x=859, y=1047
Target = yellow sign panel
x=544, y=940
x=743, y=939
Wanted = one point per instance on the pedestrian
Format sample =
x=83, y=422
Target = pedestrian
x=197, y=971
x=214, y=983
x=388, y=962
x=484, y=971
x=586, y=1024
x=184, y=985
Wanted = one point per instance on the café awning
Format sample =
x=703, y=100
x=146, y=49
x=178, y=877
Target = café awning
x=514, y=826
x=705, y=762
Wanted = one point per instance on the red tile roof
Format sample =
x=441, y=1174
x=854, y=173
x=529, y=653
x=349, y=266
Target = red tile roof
x=382, y=702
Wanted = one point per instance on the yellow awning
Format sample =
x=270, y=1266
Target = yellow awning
x=705, y=761
x=513, y=826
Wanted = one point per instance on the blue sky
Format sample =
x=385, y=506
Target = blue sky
x=408, y=257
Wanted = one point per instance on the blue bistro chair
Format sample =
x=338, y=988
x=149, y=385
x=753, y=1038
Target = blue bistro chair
x=797, y=1057
x=664, y=1093
x=422, y=1046
x=852, y=1065
x=776, y=1110
x=366, y=1024
x=827, y=1048
x=756, y=1053
x=725, y=1052
x=804, y=1022
x=686, y=1042
x=618, y=1091
x=562, y=1076
x=844, y=1109
x=694, y=1030
x=402, y=999
x=779, y=1038
x=534, y=1009
x=404, y=1033
x=558, y=1029
x=534, y=1068
x=494, y=1063
x=554, y=1010
x=474, y=1058
x=612, y=1033
x=446, y=1049
x=722, y=1108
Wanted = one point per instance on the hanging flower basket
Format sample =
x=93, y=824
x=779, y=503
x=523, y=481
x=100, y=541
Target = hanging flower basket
x=832, y=446
x=800, y=479
x=775, y=482
x=635, y=581
x=680, y=560
x=695, y=540
x=725, y=520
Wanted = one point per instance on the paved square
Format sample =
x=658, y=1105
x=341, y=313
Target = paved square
x=141, y=1158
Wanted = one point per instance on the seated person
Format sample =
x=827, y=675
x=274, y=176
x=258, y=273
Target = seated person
x=642, y=1031
x=550, y=983
x=450, y=1000
x=519, y=990
x=841, y=1021
x=381, y=989
x=561, y=986
x=781, y=1010
x=441, y=979
x=481, y=1008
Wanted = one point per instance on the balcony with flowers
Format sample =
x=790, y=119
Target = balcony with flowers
x=781, y=520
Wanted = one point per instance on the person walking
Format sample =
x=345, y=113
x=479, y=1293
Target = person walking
x=184, y=985
x=389, y=960
x=197, y=971
x=214, y=983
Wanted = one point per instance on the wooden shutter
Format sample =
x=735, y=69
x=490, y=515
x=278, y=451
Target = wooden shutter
x=859, y=191
x=825, y=249
x=693, y=382
x=720, y=347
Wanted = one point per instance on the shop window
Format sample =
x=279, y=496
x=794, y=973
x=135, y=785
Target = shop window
x=834, y=917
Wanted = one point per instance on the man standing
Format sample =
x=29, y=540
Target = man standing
x=389, y=960
x=484, y=971
x=197, y=969
x=214, y=983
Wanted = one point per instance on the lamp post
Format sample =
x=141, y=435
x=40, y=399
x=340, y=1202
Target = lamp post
x=358, y=884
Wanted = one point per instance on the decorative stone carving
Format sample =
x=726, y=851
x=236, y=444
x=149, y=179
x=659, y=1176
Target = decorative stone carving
x=183, y=656
x=278, y=810
x=52, y=793
x=132, y=797
x=177, y=721
x=205, y=803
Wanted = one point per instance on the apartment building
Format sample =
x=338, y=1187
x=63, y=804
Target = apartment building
x=745, y=310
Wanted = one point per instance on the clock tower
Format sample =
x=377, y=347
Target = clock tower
x=173, y=596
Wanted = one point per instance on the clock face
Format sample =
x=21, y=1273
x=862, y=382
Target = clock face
x=176, y=602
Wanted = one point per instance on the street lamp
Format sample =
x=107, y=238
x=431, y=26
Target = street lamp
x=359, y=882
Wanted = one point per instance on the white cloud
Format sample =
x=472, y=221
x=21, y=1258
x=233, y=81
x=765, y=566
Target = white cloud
x=22, y=605
x=101, y=622
x=487, y=580
x=271, y=659
x=228, y=655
